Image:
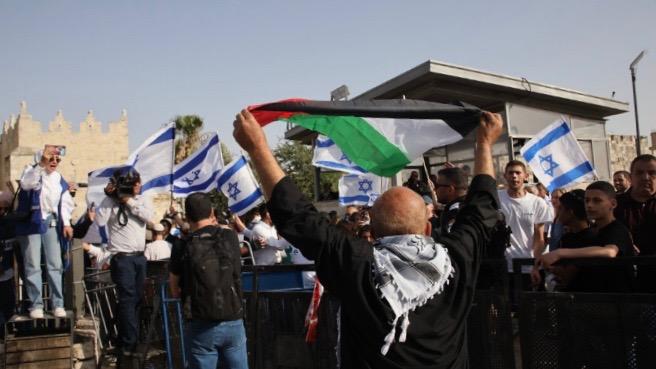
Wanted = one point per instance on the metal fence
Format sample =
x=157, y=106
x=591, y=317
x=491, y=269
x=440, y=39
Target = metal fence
x=556, y=330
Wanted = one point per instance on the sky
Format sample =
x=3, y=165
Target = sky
x=212, y=58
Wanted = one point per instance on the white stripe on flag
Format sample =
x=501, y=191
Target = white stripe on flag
x=238, y=184
x=556, y=157
x=200, y=171
x=154, y=161
x=328, y=155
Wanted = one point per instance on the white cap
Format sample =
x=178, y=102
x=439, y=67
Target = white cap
x=158, y=227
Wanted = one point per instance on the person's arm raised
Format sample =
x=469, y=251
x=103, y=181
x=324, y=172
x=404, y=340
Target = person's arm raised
x=487, y=134
x=249, y=135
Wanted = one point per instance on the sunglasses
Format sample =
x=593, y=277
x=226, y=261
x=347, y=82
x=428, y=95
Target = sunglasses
x=55, y=158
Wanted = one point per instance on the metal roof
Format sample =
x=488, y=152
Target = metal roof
x=442, y=82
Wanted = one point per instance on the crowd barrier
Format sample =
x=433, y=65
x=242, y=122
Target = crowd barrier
x=555, y=330
x=587, y=330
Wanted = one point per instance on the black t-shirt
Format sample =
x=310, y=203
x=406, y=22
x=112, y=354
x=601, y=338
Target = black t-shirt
x=608, y=278
x=640, y=219
x=436, y=335
x=577, y=240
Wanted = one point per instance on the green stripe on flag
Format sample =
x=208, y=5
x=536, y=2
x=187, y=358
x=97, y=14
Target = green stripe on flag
x=362, y=143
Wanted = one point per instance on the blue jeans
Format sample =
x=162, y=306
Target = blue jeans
x=32, y=247
x=211, y=342
x=128, y=273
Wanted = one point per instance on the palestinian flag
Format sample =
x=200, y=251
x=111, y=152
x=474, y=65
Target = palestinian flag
x=381, y=136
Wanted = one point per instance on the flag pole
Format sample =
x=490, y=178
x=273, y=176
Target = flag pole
x=172, y=163
x=431, y=185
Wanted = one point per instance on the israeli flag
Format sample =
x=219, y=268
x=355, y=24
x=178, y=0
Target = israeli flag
x=199, y=172
x=328, y=155
x=154, y=161
x=361, y=190
x=96, y=183
x=238, y=184
x=556, y=157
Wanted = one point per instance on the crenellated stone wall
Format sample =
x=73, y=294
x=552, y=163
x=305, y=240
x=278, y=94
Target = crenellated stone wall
x=87, y=148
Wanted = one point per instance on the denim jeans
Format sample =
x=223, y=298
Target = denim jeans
x=212, y=342
x=128, y=273
x=32, y=247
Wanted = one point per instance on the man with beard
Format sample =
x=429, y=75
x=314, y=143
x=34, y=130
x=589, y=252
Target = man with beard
x=636, y=209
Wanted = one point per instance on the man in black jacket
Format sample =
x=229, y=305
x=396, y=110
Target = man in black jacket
x=205, y=268
x=405, y=300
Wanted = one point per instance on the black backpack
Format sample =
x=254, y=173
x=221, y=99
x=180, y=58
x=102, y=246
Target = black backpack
x=212, y=276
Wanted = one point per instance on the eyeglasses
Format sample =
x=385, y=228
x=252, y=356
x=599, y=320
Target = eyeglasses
x=55, y=158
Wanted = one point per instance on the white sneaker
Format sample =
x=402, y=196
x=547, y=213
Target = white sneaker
x=36, y=314
x=59, y=313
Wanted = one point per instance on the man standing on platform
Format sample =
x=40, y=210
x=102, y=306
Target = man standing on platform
x=405, y=283
x=47, y=204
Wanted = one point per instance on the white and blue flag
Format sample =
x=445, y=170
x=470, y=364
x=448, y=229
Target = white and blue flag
x=200, y=171
x=556, y=157
x=328, y=155
x=238, y=184
x=154, y=161
x=96, y=184
x=361, y=189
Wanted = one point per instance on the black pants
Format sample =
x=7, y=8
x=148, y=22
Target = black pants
x=128, y=273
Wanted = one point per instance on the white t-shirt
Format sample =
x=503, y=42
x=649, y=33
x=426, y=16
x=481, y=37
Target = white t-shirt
x=522, y=214
x=158, y=250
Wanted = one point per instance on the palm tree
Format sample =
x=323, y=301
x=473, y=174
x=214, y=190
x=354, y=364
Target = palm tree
x=187, y=129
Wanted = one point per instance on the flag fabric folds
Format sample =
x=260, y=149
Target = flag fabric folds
x=154, y=161
x=238, y=184
x=361, y=189
x=556, y=157
x=380, y=136
x=328, y=155
x=96, y=183
x=200, y=171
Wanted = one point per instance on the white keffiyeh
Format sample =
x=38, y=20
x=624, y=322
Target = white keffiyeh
x=408, y=271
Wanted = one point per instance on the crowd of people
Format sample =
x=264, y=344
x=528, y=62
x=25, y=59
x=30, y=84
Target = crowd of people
x=442, y=226
x=601, y=220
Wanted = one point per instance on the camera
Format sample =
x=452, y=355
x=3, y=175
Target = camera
x=121, y=183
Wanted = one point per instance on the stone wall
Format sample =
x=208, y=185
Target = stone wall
x=87, y=148
x=623, y=150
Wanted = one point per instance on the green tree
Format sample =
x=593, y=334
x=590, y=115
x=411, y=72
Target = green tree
x=187, y=131
x=296, y=160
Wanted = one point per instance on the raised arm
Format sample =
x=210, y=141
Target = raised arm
x=250, y=136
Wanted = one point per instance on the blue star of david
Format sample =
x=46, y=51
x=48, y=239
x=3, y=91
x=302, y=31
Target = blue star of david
x=365, y=186
x=344, y=157
x=233, y=191
x=196, y=175
x=548, y=164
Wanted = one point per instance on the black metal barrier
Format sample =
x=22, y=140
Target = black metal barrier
x=276, y=337
x=587, y=330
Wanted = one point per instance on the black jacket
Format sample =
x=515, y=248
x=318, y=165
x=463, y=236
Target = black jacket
x=436, y=335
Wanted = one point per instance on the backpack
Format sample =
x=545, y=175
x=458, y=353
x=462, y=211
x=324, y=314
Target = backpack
x=212, y=276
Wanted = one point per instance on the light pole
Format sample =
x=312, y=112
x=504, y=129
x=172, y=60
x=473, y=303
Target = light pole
x=632, y=67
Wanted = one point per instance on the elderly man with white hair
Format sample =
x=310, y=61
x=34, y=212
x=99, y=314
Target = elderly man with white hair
x=47, y=206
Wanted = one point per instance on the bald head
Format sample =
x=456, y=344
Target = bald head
x=398, y=211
